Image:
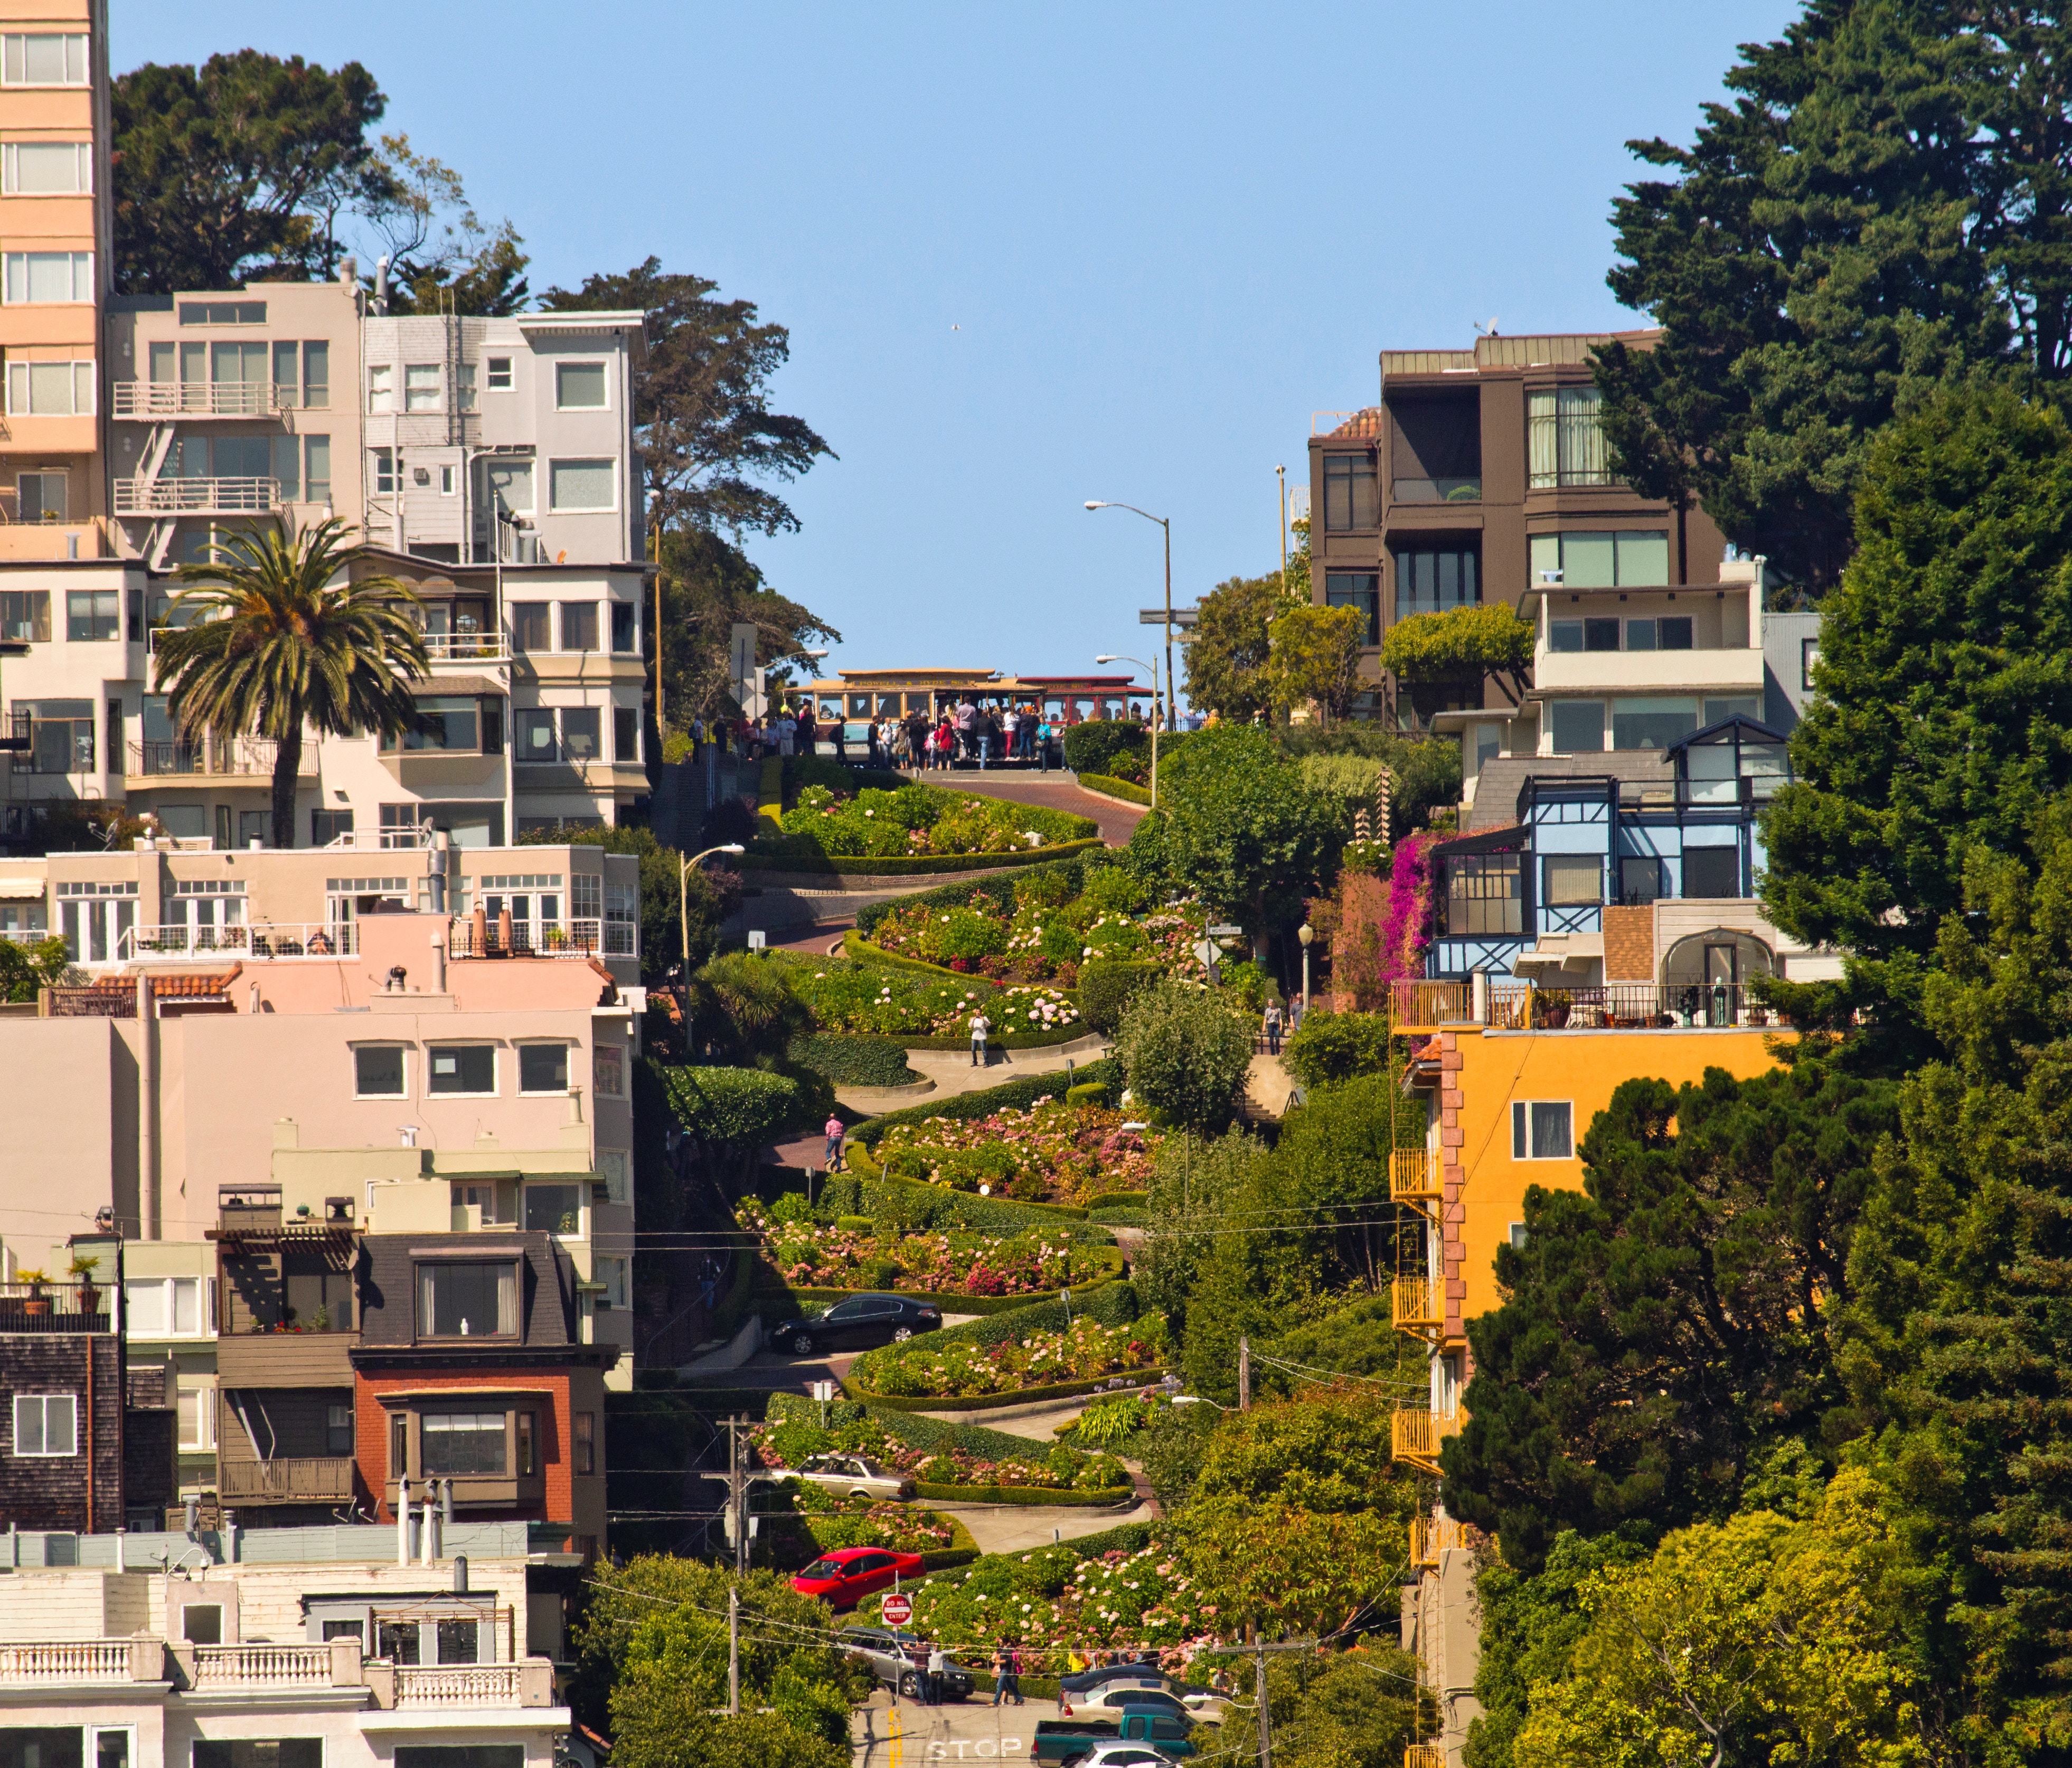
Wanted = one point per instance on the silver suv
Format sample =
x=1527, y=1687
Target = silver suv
x=897, y=1660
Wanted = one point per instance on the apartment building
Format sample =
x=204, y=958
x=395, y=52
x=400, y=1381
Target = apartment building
x=1480, y=471
x=1508, y=1084
x=54, y=259
x=307, y=1648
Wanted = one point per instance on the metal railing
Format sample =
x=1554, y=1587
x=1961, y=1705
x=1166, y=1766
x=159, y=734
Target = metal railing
x=468, y=647
x=262, y=1667
x=467, y=938
x=460, y=1685
x=381, y=841
x=1413, y=1176
x=1419, y=1306
x=56, y=1307
x=201, y=399
x=303, y=1478
x=1624, y=1006
x=1428, y=1003
x=91, y=1003
x=196, y=496
x=215, y=756
x=254, y=939
x=1432, y=1535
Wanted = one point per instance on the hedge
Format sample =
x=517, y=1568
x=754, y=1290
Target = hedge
x=1086, y=1093
x=951, y=1301
x=853, y=1061
x=1037, y=1496
x=1004, y=1040
x=943, y=1559
x=995, y=1402
x=1109, y=787
x=1001, y=891
x=1118, y=1200
x=782, y=853
x=1122, y=1218
x=1107, y=986
x=925, y=1207
x=1017, y=1094
x=1092, y=745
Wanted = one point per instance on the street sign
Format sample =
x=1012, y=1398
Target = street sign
x=758, y=940
x=824, y=1390
x=1182, y=617
x=1225, y=932
x=896, y=1610
x=1206, y=954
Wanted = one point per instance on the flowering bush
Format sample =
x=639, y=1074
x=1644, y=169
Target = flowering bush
x=925, y=819
x=1046, y=938
x=1052, y=1153
x=810, y=1255
x=830, y=1522
x=951, y=1367
x=787, y=1444
x=852, y=997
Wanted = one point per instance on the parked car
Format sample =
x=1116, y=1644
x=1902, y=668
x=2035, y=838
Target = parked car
x=1116, y=1685
x=1061, y=1740
x=896, y=1660
x=1117, y=1754
x=856, y=1323
x=843, y=1577
x=853, y=1476
x=1116, y=1697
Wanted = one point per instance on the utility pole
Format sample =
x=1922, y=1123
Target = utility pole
x=1244, y=1382
x=734, y=1651
x=655, y=546
x=1265, y=1720
x=737, y=1469
x=1280, y=473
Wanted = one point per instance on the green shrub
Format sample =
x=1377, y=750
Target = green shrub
x=854, y=1062
x=1332, y=1046
x=1091, y=747
x=1186, y=1052
x=855, y=1224
x=1087, y=1092
x=1107, y=1422
x=1109, y=787
x=1107, y=986
x=1014, y=1096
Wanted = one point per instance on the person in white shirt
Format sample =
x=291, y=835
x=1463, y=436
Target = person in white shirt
x=788, y=734
x=938, y=1667
x=979, y=1026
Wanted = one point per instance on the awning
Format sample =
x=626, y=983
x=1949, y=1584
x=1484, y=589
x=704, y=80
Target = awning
x=21, y=889
x=459, y=685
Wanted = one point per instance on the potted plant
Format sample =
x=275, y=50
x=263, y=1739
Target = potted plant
x=38, y=1304
x=83, y=1271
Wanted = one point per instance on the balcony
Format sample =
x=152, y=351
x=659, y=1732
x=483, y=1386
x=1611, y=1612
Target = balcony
x=1436, y=491
x=289, y=1479
x=1413, y=1176
x=196, y=496
x=468, y=647
x=1718, y=668
x=147, y=401
x=1422, y=1003
x=470, y=937
x=243, y=1671
x=1431, y=1536
x=215, y=758
x=443, y=1688
x=1625, y=1007
x=1423, y=1755
x=1414, y=1437
x=1421, y=1308
x=57, y=1307
x=260, y=941
x=81, y=1663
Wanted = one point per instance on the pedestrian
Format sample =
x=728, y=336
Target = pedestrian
x=833, y=1161
x=946, y=742
x=938, y=1667
x=1272, y=1027
x=1015, y=1655
x=1043, y=735
x=1000, y=1676
x=967, y=731
x=1296, y=1008
x=839, y=730
x=788, y=733
x=804, y=737
x=979, y=1026
x=983, y=727
x=877, y=748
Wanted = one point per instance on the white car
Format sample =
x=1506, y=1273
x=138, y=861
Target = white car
x=1112, y=1753
x=853, y=1476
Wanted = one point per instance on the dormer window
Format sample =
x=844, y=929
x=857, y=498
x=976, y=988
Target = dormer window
x=467, y=1298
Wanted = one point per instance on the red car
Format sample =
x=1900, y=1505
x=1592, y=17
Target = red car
x=843, y=1578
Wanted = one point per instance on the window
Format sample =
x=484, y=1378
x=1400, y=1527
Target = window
x=287, y=371
x=626, y=733
x=93, y=616
x=46, y=1424
x=50, y=390
x=1565, y=438
x=165, y=1306
x=622, y=916
x=316, y=374
x=1749, y=706
x=586, y=1442
x=1517, y=1236
x=422, y=386
x=1809, y=656
x=1601, y=633
x=579, y=386
x=462, y=1442
x=43, y=58
x=1542, y=1129
x=626, y=628
x=467, y=1299
x=326, y=826
x=446, y=482
x=460, y=1642
x=449, y=722
x=1431, y=582
x=581, y=727
x=1652, y=723
x=222, y=313
x=608, y=1070
x=46, y=169
x=463, y=1068
x=1624, y=558
x=469, y=1755
x=37, y=277
x=399, y=1444
x=534, y=731
x=1640, y=881
x=1349, y=500
x=338, y=1430
x=543, y=1067
x=499, y=369
x=1357, y=589
x=196, y=1409
x=383, y=476
x=377, y=1071
x=254, y=1753
x=1485, y=893
x=287, y=466
x=532, y=625
x=1712, y=872
x=612, y=1167
x=578, y=626
x=611, y=1273
x=553, y=1209
x=1572, y=880
x=465, y=397
x=580, y=484
x=1577, y=725
x=381, y=387
x=40, y=497
x=25, y=614
x=529, y=1453
x=395, y=1641
x=587, y=896
x=316, y=469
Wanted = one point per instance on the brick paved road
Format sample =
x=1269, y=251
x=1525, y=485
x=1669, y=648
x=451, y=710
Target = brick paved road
x=1054, y=791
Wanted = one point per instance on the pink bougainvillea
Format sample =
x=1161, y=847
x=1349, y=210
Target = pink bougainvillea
x=1382, y=926
x=1407, y=929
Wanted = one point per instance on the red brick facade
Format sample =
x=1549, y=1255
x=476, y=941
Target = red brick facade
x=1630, y=944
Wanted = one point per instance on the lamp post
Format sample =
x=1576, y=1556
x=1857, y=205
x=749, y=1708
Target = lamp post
x=1305, y=933
x=684, y=903
x=1172, y=705
x=1153, y=666
x=1280, y=473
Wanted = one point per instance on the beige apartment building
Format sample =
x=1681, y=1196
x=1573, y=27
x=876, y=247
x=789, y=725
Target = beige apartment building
x=54, y=268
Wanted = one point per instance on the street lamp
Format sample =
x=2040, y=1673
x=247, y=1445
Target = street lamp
x=1305, y=933
x=1153, y=666
x=1172, y=705
x=684, y=903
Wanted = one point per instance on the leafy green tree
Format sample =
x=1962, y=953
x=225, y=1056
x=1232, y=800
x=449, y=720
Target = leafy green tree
x=26, y=968
x=1358, y=1708
x=1193, y=1183
x=731, y=1115
x=276, y=635
x=1476, y=645
x=1944, y=717
x=1423, y=775
x=442, y=258
x=713, y=895
x=1229, y=653
x=742, y=1009
x=1330, y=1047
x=1315, y=660
x=1185, y=1053
x=1661, y=1326
x=1759, y=1639
x=1241, y=826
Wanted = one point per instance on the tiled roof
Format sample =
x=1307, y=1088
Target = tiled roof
x=1361, y=423
x=203, y=986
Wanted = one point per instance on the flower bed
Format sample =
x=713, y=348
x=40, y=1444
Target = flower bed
x=1051, y=1152
x=815, y=1255
x=933, y=1367
x=860, y=999
x=945, y=1470
x=918, y=820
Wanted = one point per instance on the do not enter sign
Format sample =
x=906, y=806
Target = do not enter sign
x=897, y=1611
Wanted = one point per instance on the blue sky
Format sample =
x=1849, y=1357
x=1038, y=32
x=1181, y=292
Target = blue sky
x=1030, y=255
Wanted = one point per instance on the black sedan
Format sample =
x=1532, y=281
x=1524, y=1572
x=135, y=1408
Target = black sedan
x=857, y=1323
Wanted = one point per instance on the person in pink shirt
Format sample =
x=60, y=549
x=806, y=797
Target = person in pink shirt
x=833, y=1162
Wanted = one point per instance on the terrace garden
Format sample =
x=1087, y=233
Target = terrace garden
x=1052, y=1153
x=856, y=1252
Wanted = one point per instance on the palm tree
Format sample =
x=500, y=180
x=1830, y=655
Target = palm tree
x=271, y=643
